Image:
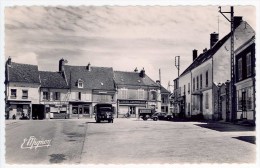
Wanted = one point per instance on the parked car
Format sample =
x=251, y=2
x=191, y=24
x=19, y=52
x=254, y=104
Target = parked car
x=145, y=113
x=161, y=116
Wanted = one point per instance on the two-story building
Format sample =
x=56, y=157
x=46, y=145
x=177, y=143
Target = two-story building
x=88, y=85
x=136, y=90
x=245, y=80
x=54, y=94
x=22, y=84
x=211, y=67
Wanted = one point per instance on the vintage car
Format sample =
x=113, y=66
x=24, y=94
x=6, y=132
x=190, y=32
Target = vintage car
x=161, y=116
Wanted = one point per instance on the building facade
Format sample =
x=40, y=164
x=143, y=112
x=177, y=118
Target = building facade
x=245, y=80
x=136, y=90
x=22, y=85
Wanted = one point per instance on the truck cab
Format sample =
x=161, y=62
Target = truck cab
x=104, y=112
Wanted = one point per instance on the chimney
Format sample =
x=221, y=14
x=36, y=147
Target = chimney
x=88, y=67
x=136, y=70
x=213, y=39
x=142, y=73
x=9, y=61
x=237, y=21
x=205, y=50
x=194, y=54
x=61, y=65
x=158, y=82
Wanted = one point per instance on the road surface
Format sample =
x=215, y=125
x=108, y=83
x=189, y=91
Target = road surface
x=82, y=141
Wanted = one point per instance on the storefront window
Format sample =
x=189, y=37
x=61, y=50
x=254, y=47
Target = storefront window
x=248, y=98
x=75, y=110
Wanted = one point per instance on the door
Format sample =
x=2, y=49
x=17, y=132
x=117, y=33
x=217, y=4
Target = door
x=132, y=111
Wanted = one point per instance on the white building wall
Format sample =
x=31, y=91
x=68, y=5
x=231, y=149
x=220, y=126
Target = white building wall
x=33, y=92
x=186, y=80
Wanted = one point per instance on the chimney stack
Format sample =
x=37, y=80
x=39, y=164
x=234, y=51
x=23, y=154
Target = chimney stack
x=213, y=39
x=61, y=65
x=9, y=61
x=136, y=70
x=158, y=82
x=194, y=54
x=205, y=50
x=88, y=67
x=142, y=73
x=237, y=21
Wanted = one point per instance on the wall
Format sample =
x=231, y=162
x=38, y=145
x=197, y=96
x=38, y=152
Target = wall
x=184, y=80
x=33, y=92
x=64, y=94
x=85, y=95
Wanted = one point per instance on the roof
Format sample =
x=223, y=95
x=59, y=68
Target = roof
x=242, y=33
x=23, y=73
x=163, y=90
x=52, y=80
x=98, y=78
x=132, y=78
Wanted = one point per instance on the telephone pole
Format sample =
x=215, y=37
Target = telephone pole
x=232, y=82
x=177, y=64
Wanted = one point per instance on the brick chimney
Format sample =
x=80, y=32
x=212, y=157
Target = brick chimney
x=213, y=39
x=194, y=54
x=142, y=73
x=61, y=65
x=88, y=67
x=9, y=61
x=158, y=82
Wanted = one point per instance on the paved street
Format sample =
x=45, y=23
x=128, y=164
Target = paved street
x=130, y=141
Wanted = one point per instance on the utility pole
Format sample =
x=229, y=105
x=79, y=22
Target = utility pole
x=177, y=64
x=232, y=82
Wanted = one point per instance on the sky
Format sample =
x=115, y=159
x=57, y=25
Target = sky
x=124, y=38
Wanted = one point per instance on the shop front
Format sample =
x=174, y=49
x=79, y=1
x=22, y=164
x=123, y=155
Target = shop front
x=18, y=109
x=246, y=100
x=130, y=107
x=80, y=110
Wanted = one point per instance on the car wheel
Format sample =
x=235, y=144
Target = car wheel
x=155, y=119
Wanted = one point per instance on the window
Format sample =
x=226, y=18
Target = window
x=201, y=81
x=249, y=98
x=56, y=96
x=184, y=89
x=197, y=82
x=46, y=96
x=207, y=101
x=248, y=64
x=207, y=78
x=24, y=94
x=13, y=93
x=239, y=68
x=140, y=93
x=188, y=87
x=80, y=83
x=193, y=84
x=153, y=95
x=123, y=93
x=79, y=95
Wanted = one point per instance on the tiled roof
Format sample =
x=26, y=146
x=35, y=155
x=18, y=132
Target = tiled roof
x=98, y=78
x=52, y=80
x=163, y=90
x=132, y=78
x=242, y=32
x=23, y=73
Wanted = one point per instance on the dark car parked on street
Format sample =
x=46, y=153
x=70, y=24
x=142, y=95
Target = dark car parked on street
x=161, y=116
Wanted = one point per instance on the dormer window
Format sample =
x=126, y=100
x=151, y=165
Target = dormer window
x=80, y=83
